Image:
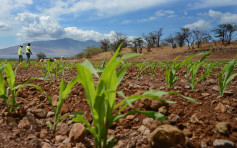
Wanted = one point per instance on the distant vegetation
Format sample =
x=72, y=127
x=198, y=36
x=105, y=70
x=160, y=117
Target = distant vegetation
x=192, y=38
x=89, y=52
x=41, y=55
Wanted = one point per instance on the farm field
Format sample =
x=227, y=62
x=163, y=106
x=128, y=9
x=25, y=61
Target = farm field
x=209, y=122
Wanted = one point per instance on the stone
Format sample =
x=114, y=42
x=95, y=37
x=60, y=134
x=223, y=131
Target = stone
x=216, y=88
x=187, y=133
x=211, y=82
x=221, y=143
x=44, y=134
x=173, y=118
x=163, y=110
x=205, y=94
x=222, y=128
x=142, y=129
x=155, y=104
x=40, y=113
x=60, y=138
x=50, y=114
x=55, y=100
x=167, y=136
x=203, y=144
x=46, y=145
x=24, y=124
x=194, y=119
x=77, y=133
x=220, y=108
x=130, y=117
x=147, y=121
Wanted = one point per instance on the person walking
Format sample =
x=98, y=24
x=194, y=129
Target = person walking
x=28, y=53
x=20, y=54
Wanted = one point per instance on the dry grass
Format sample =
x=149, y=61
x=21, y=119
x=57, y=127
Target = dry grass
x=168, y=53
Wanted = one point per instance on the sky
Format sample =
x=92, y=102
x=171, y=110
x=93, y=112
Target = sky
x=23, y=21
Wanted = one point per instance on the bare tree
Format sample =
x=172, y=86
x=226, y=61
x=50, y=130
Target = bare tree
x=158, y=36
x=149, y=42
x=171, y=40
x=119, y=38
x=105, y=43
x=225, y=32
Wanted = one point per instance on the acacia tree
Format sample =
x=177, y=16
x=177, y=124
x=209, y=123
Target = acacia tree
x=105, y=44
x=171, y=40
x=119, y=38
x=225, y=32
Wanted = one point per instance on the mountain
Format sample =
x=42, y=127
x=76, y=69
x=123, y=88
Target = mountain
x=60, y=47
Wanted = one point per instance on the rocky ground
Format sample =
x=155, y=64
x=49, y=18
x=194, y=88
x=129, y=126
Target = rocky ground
x=210, y=123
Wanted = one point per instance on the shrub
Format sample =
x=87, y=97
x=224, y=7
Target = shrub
x=41, y=55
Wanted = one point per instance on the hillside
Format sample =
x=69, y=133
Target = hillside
x=61, y=47
x=220, y=52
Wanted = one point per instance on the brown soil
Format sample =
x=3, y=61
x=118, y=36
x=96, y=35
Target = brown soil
x=30, y=99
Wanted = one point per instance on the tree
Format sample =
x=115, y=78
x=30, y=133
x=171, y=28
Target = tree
x=91, y=51
x=137, y=43
x=225, y=32
x=158, y=36
x=105, y=44
x=171, y=40
x=149, y=42
x=41, y=55
x=119, y=38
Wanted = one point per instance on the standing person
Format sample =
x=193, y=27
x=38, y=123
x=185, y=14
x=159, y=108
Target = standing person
x=20, y=54
x=28, y=52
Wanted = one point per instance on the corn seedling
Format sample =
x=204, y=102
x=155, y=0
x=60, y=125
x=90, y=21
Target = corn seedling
x=64, y=91
x=225, y=76
x=101, y=99
x=10, y=102
x=141, y=68
x=193, y=69
x=172, y=70
x=208, y=68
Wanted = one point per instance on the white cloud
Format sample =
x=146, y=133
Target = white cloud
x=164, y=13
x=100, y=8
x=200, y=24
x=7, y=6
x=38, y=27
x=223, y=18
x=213, y=3
x=4, y=27
x=159, y=13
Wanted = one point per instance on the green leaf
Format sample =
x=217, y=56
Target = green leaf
x=50, y=125
x=85, y=78
x=125, y=98
x=130, y=55
x=120, y=75
x=70, y=115
x=2, y=84
x=88, y=65
x=10, y=76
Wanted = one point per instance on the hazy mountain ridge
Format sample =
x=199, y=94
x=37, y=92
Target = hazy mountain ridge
x=60, y=47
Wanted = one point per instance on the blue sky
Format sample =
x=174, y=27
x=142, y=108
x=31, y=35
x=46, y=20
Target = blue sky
x=34, y=20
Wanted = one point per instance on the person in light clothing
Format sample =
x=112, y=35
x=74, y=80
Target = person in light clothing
x=20, y=54
x=28, y=53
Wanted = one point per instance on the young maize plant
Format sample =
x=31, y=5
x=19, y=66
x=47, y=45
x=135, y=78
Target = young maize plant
x=152, y=67
x=172, y=70
x=101, y=99
x=10, y=102
x=208, y=68
x=141, y=68
x=64, y=91
x=57, y=70
x=225, y=76
x=193, y=69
